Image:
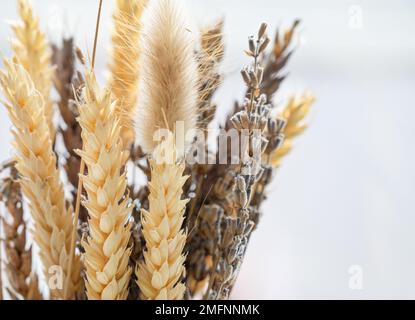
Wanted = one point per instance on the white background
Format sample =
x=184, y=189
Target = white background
x=345, y=196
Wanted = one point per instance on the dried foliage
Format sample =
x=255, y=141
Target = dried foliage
x=185, y=228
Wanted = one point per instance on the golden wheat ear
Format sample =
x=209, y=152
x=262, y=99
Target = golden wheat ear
x=125, y=61
x=106, y=247
x=32, y=51
x=168, y=85
x=39, y=177
x=294, y=114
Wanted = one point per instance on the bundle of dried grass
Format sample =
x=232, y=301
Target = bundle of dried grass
x=106, y=248
x=125, y=62
x=191, y=237
x=23, y=283
x=40, y=181
x=32, y=51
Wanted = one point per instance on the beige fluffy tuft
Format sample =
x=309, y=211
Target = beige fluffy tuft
x=169, y=75
x=124, y=66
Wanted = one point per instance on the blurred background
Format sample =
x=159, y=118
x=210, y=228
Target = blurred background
x=340, y=218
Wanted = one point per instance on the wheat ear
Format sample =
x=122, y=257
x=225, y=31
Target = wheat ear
x=163, y=266
x=23, y=283
x=124, y=65
x=32, y=51
x=106, y=248
x=210, y=55
x=294, y=113
x=169, y=78
x=39, y=180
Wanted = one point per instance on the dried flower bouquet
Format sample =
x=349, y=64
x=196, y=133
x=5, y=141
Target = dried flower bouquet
x=181, y=232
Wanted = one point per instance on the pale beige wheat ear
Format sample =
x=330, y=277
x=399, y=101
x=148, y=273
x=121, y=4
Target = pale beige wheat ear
x=294, y=113
x=39, y=178
x=32, y=51
x=169, y=78
x=159, y=275
x=125, y=60
x=106, y=247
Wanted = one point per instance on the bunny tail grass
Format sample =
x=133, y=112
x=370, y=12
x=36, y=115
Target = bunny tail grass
x=106, y=248
x=124, y=65
x=40, y=182
x=160, y=273
x=32, y=51
x=168, y=90
x=294, y=113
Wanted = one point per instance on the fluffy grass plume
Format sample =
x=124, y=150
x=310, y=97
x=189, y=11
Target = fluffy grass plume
x=32, y=51
x=294, y=113
x=39, y=177
x=106, y=248
x=169, y=77
x=163, y=266
x=125, y=61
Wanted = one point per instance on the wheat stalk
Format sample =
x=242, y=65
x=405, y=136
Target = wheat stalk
x=125, y=60
x=210, y=56
x=68, y=82
x=23, y=283
x=158, y=276
x=169, y=78
x=106, y=248
x=294, y=113
x=39, y=180
x=32, y=51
